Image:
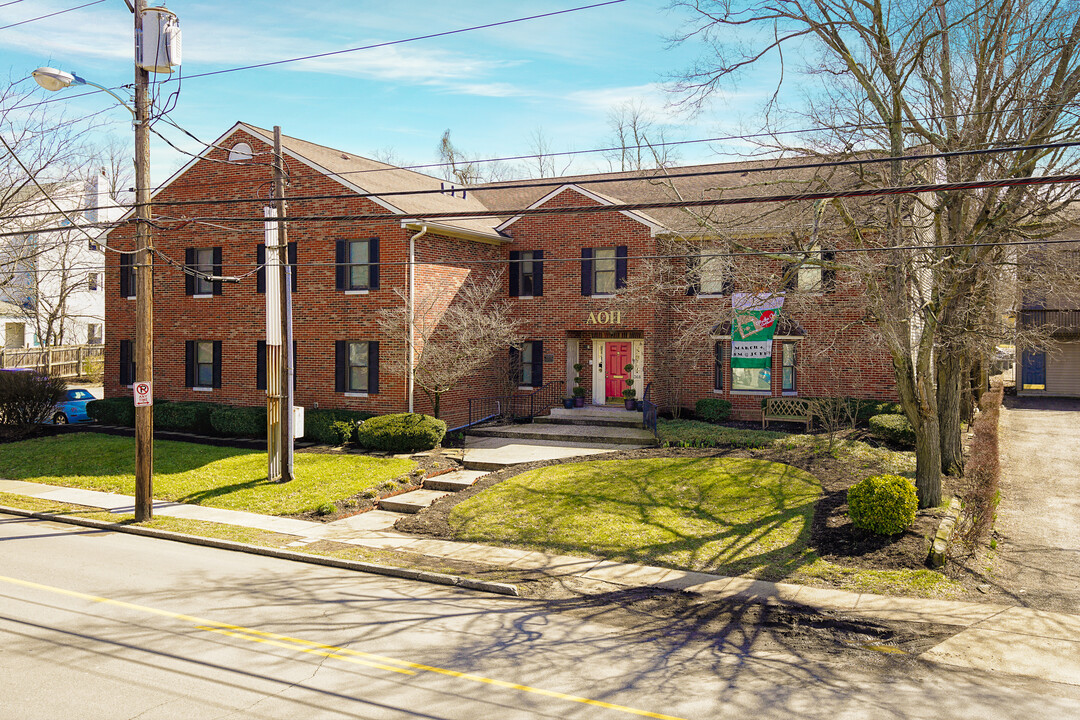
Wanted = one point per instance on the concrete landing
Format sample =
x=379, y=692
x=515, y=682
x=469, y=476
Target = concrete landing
x=570, y=433
x=593, y=415
x=496, y=453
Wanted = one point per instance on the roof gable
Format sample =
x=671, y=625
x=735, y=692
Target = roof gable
x=654, y=227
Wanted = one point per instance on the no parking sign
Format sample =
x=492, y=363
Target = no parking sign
x=144, y=395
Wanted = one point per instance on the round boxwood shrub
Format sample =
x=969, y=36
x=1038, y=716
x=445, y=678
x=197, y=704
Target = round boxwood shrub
x=893, y=428
x=240, y=421
x=882, y=504
x=402, y=432
x=712, y=410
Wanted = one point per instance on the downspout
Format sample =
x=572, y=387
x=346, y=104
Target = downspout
x=411, y=357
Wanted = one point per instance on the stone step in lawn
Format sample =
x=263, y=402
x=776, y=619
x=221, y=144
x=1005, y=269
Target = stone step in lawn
x=570, y=433
x=453, y=481
x=411, y=502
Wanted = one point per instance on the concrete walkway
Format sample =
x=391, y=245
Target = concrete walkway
x=1038, y=525
x=994, y=638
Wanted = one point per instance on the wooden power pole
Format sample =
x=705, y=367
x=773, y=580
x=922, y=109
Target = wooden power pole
x=279, y=361
x=144, y=288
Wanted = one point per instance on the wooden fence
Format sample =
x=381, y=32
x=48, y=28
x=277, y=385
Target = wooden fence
x=66, y=361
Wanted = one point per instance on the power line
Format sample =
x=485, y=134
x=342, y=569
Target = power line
x=655, y=175
x=626, y=207
x=42, y=17
x=388, y=43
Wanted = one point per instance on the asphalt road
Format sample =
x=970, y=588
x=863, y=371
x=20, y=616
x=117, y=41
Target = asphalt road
x=105, y=625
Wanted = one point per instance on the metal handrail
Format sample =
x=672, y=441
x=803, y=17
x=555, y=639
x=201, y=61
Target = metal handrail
x=648, y=411
x=515, y=407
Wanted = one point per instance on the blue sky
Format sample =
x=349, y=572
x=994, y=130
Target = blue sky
x=492, y=88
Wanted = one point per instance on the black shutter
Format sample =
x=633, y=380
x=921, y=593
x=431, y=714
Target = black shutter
x=373, y=258
x=260, y=274
x=217, y=270
x=373, y=367
x=292, y=263
x=515, y=273
x=189, y=363
x=538, y=273
x=620, y=267
x=260, y=365
x=693, y=276
x=718, y=371
x=340, y=352
x=217, y=364
x=125, y=363
x=189, y=279
x=586, y=271
x=789, y=280
x=126, y=266
x=339, y=267
x=828, y=274
x=537, y=361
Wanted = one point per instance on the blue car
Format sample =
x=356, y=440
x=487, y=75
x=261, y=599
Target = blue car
x=72, y=409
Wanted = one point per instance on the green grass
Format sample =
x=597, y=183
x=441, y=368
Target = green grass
x=200, y=474
x=922, y=582
x=732, y=516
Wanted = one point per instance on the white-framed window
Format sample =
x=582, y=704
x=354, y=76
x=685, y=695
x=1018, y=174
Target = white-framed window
x=604, y=271
x=789, y=371
x=204, y=265
x=709, y=274
x=358, y=275
x=358, y=368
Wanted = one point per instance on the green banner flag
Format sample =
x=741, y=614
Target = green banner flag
x=752, y=326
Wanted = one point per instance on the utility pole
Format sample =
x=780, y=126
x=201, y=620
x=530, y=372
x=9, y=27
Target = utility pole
x=279, y=361
x=144, y=288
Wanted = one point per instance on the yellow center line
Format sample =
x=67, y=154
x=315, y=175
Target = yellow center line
x=332, y=651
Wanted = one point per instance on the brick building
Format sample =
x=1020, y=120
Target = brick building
x=581, y=281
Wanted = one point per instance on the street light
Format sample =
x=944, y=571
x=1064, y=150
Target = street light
x=52, y=79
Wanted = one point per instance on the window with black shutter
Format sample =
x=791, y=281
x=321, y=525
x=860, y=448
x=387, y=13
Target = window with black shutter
x=527, y=364
x=527, y=273
x=357, y=265
x=201, y=263
x=202, y=363
x=356, y=366
x=603, y=270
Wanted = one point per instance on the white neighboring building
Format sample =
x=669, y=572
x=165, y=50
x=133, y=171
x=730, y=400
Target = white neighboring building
x=53, y=287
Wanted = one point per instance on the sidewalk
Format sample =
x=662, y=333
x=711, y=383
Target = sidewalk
x=995, y=638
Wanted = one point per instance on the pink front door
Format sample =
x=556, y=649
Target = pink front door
x=616, y=357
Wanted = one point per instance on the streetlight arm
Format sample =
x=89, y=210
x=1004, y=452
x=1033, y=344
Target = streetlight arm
x=52, y=80
x=80, y=81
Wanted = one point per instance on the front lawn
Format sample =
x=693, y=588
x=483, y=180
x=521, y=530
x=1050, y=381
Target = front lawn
x=200, y=474
x=728, y=515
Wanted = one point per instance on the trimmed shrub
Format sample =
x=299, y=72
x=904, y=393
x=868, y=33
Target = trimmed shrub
x=893, y=428
x=346, y=431
x=27, y=399
x=401, y=432
x=185, y=416
x=870, y=408
x=319, y=424
x=115, y=410
x=694, y=433
x=712, y=410
x=239, y=421
x=883, y=504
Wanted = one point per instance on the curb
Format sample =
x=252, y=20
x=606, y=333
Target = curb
x=944, y=535
x=388, y=570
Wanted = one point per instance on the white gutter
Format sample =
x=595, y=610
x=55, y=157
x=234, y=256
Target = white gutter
x=411, y=357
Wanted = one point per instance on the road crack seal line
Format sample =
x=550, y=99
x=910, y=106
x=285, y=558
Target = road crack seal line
x=404, y=666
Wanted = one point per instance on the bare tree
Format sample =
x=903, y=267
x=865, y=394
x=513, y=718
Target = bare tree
x=459, y=167
x=902, y=77
x=638, y=139
x=456, y=334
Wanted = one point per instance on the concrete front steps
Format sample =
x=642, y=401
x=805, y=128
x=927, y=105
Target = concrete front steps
x=592, y=415
x=619, y=434
x=433, y=489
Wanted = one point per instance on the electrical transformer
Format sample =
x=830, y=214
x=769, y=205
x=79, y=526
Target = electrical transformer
x=157, y=46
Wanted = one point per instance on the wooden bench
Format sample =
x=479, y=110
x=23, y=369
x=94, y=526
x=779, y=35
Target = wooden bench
x=787, y=409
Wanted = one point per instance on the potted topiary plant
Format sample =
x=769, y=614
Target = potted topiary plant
x=568, y=402
x=629, y=392
x=579, y=392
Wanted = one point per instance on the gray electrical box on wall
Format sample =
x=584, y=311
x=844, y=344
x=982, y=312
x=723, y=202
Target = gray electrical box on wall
x=157, y=47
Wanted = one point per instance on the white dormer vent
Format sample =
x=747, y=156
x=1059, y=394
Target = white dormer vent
x=240, y=152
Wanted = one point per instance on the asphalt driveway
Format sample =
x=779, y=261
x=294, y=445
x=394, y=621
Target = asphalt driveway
x=1038, y=525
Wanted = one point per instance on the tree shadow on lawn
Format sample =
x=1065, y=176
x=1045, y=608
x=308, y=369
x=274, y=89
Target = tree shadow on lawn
x=753, y=533
x=200, y=497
